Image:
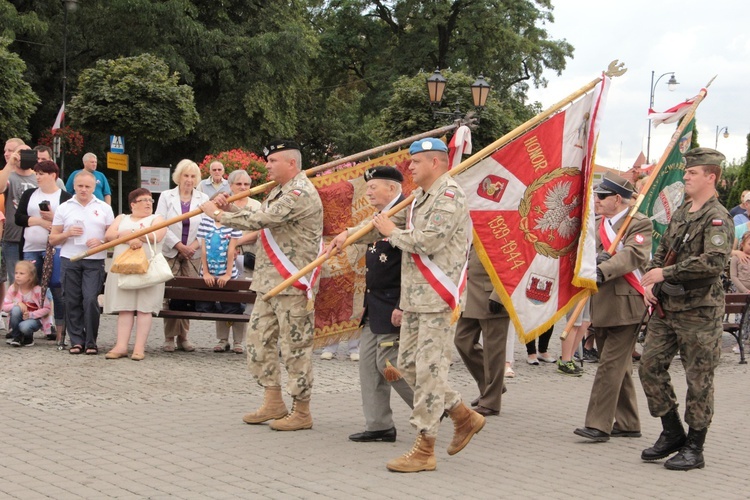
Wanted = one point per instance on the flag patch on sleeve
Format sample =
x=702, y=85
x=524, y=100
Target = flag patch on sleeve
x=717, y=222
x=449, y=193
x=296, y=192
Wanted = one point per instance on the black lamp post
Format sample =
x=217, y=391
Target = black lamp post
x=70, y=6
x=480, y=89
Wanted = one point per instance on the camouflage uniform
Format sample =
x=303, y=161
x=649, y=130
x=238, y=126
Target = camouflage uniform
x=693, y=322
x=294, y=215
x=439, y=229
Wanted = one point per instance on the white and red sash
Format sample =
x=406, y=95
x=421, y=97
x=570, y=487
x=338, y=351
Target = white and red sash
x=438, y=280
x=286, y=267
x=607, y=234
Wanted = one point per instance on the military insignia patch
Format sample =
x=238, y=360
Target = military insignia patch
x=450, y=194
x=639, y=238
x=717, y=222
x=717, y=239
x=296, y=192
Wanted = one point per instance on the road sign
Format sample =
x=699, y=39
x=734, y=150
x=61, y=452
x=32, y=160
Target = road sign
x=117, y=144
x=117, y=162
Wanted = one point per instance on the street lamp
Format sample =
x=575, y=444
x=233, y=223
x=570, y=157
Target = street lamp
x=70, y=6
x=436, y=83
x=726, y=135
x=671, y=85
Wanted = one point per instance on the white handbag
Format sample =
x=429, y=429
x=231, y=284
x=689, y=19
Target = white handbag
x=158, y=272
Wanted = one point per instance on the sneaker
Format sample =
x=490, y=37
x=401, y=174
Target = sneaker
x=15, y=343
x=354, y=356
x=590, y=355
x=327, y=355
x=8, y=335
x=532, y=361
x=546, y=357
x=568, y=368
x=28, y=344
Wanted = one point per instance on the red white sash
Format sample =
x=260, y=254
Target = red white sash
x=607, y=234
x=440, y=282
x=286, y=267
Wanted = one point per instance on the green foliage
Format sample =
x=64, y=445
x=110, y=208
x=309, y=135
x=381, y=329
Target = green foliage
x=18, y=99
x=742, y=183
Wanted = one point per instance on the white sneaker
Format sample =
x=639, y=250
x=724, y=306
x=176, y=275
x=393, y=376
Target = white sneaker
x=354, y=356
x=327, y=355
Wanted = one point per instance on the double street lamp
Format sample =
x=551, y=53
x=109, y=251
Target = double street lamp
x=671, y=85
x=436, y=83
x=726, y=135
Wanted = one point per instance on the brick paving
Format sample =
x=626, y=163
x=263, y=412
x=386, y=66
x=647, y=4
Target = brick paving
x=170, y=427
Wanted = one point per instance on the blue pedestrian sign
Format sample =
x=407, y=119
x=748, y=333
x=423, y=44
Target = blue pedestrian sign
x=116, y=144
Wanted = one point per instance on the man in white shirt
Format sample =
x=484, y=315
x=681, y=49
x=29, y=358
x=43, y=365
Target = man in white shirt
x=79, y=225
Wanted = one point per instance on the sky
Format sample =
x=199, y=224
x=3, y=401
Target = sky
x=695, y=40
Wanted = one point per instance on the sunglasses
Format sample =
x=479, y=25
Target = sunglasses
x=604, y=196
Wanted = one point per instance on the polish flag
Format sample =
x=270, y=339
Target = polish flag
x=672, y=114
x=459, y=145
x=59, y=119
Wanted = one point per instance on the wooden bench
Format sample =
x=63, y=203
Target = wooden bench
x=195, y=289
x=737, y=304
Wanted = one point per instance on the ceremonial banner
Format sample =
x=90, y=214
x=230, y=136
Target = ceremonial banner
x=339, y=302
x=531, y=204
x=667, y=190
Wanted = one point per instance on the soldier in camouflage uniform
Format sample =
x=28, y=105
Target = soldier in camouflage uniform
x=692, y=298
x=436, y=226
x=291, y=224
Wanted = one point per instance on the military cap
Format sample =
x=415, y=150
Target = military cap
x=279, y=145
x=386, y=173
x=703, y=156
x=613, y=183
x=429, y=144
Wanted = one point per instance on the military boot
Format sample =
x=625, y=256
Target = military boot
x=420, y=457
x=691, y=455
x=298, y=419
x=273, y=407
x=466, y=423
x=671, y=439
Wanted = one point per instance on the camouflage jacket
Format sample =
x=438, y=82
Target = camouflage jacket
x=440, y=230
x=708, y=237
x=294, y=215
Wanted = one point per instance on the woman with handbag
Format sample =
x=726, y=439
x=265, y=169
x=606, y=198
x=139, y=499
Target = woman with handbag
x=35, y=211
x=139, y=304
x=181, y=246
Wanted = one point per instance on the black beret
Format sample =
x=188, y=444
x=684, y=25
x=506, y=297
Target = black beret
x=387, y=173
x=279, y=145
x=703, y=156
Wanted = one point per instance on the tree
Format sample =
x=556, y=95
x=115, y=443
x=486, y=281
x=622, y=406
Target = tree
x=18, y=99
x=743, y=180
x=135, y=97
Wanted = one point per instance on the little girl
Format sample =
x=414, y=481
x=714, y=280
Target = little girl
x=739, y=271
x=218, y=244
x=27, y=310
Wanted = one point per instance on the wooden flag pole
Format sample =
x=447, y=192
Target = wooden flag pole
x=639, y=200
x=268, y=186
x=614, y=69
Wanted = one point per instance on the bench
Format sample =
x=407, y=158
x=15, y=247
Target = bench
x=180, y=287
x=737, y=305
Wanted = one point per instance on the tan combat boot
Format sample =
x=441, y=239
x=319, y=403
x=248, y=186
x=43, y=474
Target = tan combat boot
x=273, y=407
x=298, y=419
x=466, y=423
x=420, y=457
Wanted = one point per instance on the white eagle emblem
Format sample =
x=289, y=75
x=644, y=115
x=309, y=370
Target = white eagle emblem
x=557, y=216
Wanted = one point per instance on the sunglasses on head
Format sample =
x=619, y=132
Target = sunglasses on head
x=604, y=196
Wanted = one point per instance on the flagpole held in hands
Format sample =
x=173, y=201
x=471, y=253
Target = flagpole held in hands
x=641, y=196
x=614, y=69
x=269, y=185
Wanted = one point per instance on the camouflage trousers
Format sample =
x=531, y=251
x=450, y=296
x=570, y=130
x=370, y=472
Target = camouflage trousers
x=424, y=358
x=695, y=334
x=282, y=323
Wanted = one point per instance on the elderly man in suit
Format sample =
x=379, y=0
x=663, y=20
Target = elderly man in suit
x=616, y=311
x=485, y=316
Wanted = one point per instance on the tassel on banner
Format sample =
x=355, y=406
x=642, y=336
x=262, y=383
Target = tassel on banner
x=391, y=373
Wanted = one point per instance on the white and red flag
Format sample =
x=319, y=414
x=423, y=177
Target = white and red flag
x=672, y=114
x=59, y=119
x=531, y=205
x=459, y=145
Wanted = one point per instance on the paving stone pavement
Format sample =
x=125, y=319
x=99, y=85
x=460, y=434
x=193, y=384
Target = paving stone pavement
x=170, y=427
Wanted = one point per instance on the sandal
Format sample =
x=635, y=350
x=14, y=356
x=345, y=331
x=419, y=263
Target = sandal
x=221, y=346
x=76, y=349
x=238, y=349
x=92, y=351
x=185, y=345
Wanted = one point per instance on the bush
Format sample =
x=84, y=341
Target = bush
x=238, y=159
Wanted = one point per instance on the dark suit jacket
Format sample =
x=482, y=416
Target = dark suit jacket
x=617, y=303
x=383, y=280
x=479, y=291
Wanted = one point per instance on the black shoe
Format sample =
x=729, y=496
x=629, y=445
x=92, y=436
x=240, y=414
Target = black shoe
x=476, y=401
x=387, y=436
x=9, y=335
x=486, y=412
x=592, y=434
x=617, y=433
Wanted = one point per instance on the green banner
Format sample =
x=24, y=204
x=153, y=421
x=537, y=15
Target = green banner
x=667, y=191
